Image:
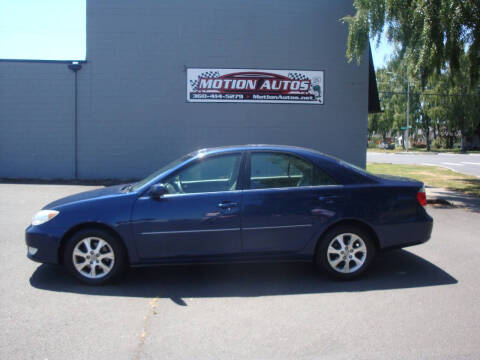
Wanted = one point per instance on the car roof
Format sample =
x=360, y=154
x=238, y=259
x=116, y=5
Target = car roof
x=286, y=148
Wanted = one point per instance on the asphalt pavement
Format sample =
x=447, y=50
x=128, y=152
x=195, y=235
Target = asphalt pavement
x=417, y=303
x=464, y=163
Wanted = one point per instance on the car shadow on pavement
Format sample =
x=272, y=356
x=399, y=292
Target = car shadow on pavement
x=393, y=270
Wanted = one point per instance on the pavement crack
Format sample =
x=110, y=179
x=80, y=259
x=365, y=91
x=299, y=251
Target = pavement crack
x=152, y=310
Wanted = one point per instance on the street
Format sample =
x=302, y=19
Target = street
x=465, y=163
x=417, y=303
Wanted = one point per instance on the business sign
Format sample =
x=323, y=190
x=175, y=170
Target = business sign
x=255, y=86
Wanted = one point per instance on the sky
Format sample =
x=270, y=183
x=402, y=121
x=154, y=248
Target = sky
x=55, y=30
x=42, y=29
x=382, y=53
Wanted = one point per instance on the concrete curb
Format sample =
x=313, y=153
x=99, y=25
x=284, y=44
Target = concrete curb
x=440, y=202
x=454, y=199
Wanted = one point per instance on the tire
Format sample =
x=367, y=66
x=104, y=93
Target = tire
x=350, y=260
x=94, y=256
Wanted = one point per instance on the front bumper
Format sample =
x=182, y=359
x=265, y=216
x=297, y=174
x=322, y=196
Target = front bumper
x=46, y=241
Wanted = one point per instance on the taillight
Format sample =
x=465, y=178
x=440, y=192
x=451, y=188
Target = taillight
x=422, y=197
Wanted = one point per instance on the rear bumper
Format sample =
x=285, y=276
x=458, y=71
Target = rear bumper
x=45, y=241
x=405, y=234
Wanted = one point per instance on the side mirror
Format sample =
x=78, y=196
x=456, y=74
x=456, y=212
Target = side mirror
x=158, y=190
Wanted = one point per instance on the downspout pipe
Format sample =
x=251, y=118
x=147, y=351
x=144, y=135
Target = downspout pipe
x=75, y=66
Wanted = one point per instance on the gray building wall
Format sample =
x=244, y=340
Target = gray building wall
x=36, y=120
x=133, y=116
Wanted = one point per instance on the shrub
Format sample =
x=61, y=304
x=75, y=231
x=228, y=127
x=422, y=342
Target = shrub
x=437, y=143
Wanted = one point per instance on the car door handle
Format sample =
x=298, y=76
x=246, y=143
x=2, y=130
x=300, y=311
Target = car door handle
x=228, y=204
x=328, y=197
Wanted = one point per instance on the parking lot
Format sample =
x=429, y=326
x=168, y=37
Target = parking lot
x=421, y=302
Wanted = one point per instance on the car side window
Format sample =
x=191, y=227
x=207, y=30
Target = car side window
x=213, y=174
x=276, y=170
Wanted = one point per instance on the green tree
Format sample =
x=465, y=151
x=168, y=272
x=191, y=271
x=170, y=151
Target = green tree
x=429, y=34
x=453, y=106
x=392, y=86
x=382, y=123
x=448, y=108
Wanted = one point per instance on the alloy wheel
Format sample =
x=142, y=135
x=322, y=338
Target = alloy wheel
x=346, y=253
x=93, y=257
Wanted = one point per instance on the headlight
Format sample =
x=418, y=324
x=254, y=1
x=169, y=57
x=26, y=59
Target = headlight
x=43, y=216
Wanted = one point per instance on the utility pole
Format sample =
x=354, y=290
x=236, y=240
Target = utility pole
x=408, y=114
x=75, y=66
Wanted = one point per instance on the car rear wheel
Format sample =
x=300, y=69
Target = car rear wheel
x=345, y=252
x=94, y=256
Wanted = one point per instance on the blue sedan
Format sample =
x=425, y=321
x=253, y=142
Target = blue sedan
x=242, y=203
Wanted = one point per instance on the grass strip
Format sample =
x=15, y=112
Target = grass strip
x=421, y=150
x=432, y=176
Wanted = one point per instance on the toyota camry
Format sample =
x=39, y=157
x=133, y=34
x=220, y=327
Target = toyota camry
x=234, y=204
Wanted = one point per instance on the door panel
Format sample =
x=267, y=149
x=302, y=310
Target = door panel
x=284, y=220
x=188, y=225
x=200, y=216
x=286, y=200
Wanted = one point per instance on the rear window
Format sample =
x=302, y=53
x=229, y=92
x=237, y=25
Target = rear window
x=277, y=170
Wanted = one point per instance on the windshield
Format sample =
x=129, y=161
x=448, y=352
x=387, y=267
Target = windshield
x=149, y=178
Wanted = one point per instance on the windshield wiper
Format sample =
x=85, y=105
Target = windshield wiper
x=127, y=187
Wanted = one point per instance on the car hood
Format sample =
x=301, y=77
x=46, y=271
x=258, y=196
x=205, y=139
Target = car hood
x=96, y=194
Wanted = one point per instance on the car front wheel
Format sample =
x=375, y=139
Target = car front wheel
x=94, y=256
x=345, y=252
